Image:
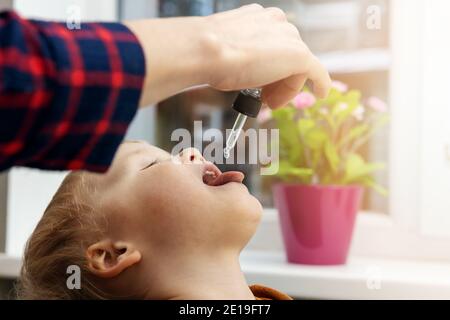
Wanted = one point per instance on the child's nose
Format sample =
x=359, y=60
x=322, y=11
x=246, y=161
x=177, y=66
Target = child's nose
x=191, y=155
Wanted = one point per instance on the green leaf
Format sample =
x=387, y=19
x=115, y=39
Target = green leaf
x=290, y=145
x=316, y=157
x=283, y=114
x=356, y=168
x=287, y=170
x=370, y=183
x=353, y=97
x=334, y=96
x=330, y=120
x=352, y=100
x=305, y=124
x=355, y=132
x=332, y=156
x=315, y=138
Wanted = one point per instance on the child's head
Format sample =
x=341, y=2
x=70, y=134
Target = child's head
x=149, y=214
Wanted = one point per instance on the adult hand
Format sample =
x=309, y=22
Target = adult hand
x=243, y=48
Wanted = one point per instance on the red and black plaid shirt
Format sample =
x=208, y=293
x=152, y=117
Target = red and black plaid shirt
x=66, y=96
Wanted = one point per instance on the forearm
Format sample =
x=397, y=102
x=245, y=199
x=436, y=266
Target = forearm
x=178, y=54
x=66, y=96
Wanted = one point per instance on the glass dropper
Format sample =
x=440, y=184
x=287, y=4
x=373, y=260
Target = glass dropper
x=234, y=134
x=247, y=104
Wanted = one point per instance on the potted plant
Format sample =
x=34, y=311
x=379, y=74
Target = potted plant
x=322, y=172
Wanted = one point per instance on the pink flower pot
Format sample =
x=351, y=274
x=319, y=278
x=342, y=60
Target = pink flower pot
x=317, y=221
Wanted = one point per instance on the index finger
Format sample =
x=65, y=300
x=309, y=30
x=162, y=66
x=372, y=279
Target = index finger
x=319, y=76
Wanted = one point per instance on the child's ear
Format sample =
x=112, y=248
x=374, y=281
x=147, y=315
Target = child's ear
x=107, y=259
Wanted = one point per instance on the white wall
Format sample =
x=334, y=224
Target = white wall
x=104, y=10
x=29, y=192
x=435, y=144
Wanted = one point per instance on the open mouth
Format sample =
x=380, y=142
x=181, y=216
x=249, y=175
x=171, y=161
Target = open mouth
x=212, y=176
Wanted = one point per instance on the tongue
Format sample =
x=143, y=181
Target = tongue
x=225, y=177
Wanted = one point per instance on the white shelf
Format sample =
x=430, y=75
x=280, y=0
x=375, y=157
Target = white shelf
x=364, y=60
x=359, y=279
x=9, y=266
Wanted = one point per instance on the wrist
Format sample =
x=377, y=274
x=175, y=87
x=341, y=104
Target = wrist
x=179, y=53
x=196, y=51
x=210, y=51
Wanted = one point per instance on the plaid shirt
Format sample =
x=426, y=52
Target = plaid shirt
x=66, y=96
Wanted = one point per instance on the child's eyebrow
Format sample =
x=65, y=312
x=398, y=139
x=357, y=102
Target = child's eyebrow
x=134, y=141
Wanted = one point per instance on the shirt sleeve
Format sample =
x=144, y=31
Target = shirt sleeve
x=67, y=95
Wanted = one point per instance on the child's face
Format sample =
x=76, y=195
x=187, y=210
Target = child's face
x=146, y=228
x=160, y=202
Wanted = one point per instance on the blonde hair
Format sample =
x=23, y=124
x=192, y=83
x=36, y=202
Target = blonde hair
x=68, y=226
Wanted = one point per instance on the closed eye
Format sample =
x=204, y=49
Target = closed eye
x=149, y=165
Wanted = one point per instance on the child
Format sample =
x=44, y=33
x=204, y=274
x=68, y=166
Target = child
x=153, y=227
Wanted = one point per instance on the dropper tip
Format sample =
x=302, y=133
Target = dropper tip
x=226, y=153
